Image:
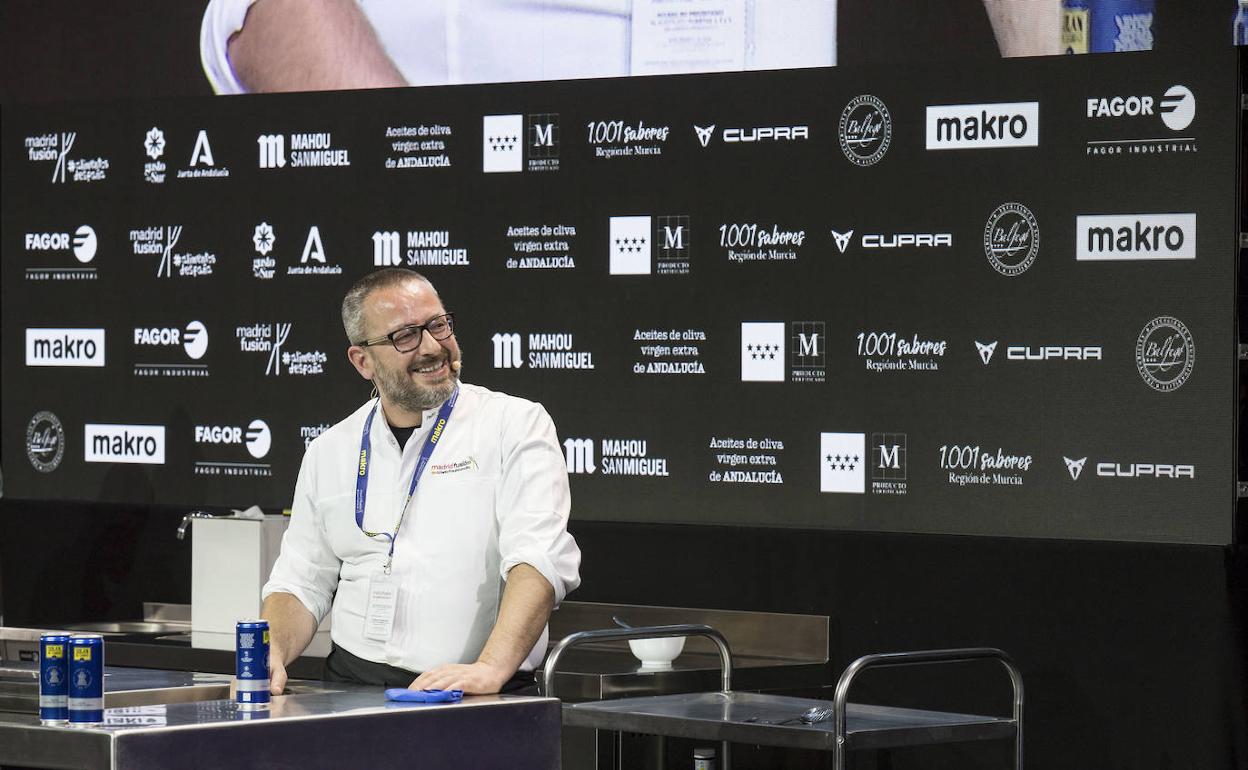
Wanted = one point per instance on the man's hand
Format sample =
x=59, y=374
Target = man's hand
x=473, y=678
x=277, y=674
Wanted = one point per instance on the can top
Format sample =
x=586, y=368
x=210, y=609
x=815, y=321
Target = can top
x=704, y=753
x=85, y=637
x=54, y=636
x=260, y=623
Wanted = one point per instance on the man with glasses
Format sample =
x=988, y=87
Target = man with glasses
x=432, y=521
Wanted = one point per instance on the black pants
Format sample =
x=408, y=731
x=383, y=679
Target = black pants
x=342, y=666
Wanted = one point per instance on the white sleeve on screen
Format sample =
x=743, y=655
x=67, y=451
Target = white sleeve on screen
x=534, y=501
x=307, y=566
x=222, y=18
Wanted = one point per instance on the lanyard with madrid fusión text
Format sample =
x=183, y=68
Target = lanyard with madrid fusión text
x=361, y=480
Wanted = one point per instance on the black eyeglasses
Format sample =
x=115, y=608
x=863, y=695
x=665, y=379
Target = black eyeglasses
x=407, y=338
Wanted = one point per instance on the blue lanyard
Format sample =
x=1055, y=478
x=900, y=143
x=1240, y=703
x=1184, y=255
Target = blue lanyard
x=361, y=480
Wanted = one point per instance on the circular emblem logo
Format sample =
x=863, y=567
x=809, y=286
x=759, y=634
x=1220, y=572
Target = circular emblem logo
x=1178, y=108
x=259, y=439
x=85, y=244
x=45, y=442
x=1011, y=239
x=195, y=340
x=1165, y=354
x=866, y=130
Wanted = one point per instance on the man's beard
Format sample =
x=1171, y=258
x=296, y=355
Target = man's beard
x=401, y=390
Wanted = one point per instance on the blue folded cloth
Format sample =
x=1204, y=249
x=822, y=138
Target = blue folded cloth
x=404, y=695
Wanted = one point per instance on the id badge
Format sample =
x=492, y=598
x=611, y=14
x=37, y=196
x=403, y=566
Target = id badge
x=688, y=36
x=383, y=597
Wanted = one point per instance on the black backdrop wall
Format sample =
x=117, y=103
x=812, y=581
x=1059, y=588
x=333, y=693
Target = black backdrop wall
x=1132, y=653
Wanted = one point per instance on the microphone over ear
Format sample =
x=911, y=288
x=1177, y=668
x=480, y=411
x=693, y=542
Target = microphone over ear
x=456, y=365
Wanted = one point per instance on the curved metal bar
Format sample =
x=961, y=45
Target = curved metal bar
x=918, y=658
x=639, y=632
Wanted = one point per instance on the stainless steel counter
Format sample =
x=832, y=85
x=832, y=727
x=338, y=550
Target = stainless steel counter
x=19, y=687
x=323, y=726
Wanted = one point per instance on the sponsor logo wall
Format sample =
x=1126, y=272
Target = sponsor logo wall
x=951, y=301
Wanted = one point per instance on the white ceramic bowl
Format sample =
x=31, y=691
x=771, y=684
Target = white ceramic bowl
x=657, y=653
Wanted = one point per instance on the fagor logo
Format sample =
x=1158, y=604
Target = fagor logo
x=256, y=436
x=1135, y=237
x=65, y=347
x=982, y=126
x=138, y=444
x=1178, y=107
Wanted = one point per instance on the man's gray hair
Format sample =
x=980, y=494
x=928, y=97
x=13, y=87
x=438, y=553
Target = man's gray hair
x=353, y=303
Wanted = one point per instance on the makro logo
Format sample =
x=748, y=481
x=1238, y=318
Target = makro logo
x=983, y=126
x=1135, y=237
x=256, y=436
x=579, y=455
x=138, y=444
x=65, y=347
x=1177, y=107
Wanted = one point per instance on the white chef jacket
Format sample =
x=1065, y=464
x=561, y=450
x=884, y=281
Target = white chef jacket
x=441, y=42
x=494, y=495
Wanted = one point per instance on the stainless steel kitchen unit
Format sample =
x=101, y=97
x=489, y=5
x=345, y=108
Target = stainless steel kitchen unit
x=320, y=726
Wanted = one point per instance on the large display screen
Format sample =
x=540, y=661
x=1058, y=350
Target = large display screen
x=949, y=299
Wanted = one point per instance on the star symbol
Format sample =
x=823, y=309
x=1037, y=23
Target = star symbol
x=154, y=142
x=264, y=238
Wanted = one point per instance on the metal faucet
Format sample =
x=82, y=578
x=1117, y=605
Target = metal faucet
x=186, y=521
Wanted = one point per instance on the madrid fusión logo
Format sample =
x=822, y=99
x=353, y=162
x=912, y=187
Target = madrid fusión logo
x=1165, y=354
x=1011, y=239
x=45, y=442
x=866, y=130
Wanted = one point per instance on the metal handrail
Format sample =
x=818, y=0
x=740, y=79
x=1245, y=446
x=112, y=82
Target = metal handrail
x=638, y=632
x=925, y=657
